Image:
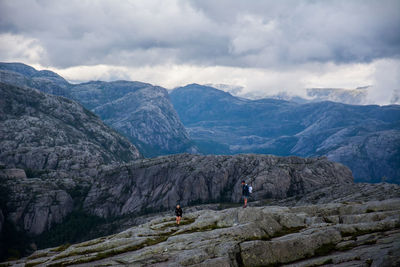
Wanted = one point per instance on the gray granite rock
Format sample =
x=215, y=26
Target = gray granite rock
x=161, y=183
x=255, y=236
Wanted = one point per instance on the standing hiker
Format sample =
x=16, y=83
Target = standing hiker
x=245, y=193
x=178, y=213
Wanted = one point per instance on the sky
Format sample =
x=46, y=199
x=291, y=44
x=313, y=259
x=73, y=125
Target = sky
x=264, y=47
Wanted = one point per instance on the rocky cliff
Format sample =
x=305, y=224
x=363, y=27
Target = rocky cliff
x=161, y=183
x=141, y=112
x=365, y=138
x=343, y=233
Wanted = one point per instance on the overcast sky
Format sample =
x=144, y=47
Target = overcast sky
x=264, y=46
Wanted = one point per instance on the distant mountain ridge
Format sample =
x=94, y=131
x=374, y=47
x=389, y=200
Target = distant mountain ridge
x=365, y=138
x=357, y=96
x=143, y=114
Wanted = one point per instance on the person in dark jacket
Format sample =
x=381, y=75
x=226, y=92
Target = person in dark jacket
x=178, y=214
x=245, y=193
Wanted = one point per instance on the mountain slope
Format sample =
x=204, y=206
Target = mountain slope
x=141, y=112
x=39, y=131
x=365, y=138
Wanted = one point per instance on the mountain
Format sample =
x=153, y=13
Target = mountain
x=355, y=233
x=365, y=138
x=43, y=132
x=51, y=149
x=141, y=112
x=62, y=168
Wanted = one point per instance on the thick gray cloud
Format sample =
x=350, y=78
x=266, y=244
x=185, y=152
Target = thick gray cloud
x=261, y=34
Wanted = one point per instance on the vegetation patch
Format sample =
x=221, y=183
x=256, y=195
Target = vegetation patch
x=90, y=243
x=38, y=255
x=115, y=251
x=35, y=263
x=184, y=221
x=60, y=248
x=75, y=228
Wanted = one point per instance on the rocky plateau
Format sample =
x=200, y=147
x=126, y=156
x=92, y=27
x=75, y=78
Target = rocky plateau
x=342, y=233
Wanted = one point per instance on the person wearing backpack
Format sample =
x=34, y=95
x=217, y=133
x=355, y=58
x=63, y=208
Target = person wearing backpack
x=246, y=190
x=178, y=214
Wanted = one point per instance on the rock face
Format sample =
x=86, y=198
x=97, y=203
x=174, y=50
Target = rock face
x=141, y=112
x=160, y=183
x=44, y=132
x=345, y=234
x=365, y=138
x=33, y=205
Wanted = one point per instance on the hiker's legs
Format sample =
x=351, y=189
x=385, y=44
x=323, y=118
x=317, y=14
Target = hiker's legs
x=245, y=201
x=178, y=219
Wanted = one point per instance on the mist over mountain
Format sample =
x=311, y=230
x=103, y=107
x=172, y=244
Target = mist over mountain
x=365, y=138
x=357, y=96
x=139, y=111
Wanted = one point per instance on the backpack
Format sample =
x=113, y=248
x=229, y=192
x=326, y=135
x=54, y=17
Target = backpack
x=250, y=189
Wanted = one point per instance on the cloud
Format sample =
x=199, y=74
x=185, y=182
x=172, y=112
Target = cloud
x=264, y=46
x=264, y=34
x=19, y=48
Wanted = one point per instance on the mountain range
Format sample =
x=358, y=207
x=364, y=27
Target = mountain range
x=202, y=119
x=365, y=138
x=67, y=177
x=139, y=111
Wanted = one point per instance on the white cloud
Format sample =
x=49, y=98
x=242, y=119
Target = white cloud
x=264, y=46
x=386, y=81
x=381, y=74
x=19, y=48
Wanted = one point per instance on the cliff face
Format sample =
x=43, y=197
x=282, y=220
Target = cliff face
x=160, y=183
x=346, y=234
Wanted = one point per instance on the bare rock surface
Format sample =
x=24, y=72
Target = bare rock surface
x=160, y=183
x=33, y=205
x=344, y=234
